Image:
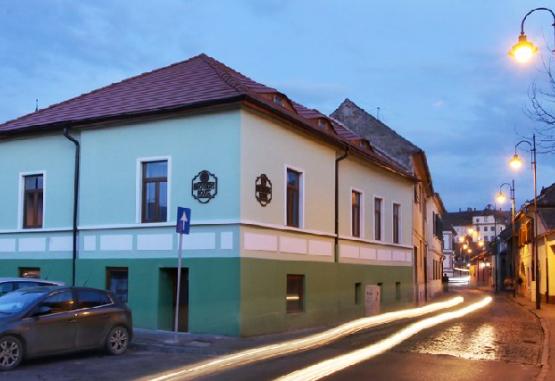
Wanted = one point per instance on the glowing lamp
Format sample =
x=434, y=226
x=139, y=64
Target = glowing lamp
x=516, y=162
x=523, y=50
x=500, y=198
x=465, y=246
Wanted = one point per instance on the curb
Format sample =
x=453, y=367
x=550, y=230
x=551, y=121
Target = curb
x=544, y=361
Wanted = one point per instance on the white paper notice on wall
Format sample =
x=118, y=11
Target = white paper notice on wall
x=372, y=299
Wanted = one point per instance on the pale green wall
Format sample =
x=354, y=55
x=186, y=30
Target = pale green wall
x=51, y=153
x=194, y=143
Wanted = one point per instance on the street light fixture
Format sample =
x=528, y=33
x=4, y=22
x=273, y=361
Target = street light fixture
x=501, y=198
x=524, y=50
x=532, y=145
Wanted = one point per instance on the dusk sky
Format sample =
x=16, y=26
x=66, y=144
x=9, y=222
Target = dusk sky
x=438, y=70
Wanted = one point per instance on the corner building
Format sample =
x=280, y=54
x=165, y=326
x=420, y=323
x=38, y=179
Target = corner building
x=293, y=215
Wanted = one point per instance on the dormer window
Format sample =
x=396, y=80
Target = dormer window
x=280, y=100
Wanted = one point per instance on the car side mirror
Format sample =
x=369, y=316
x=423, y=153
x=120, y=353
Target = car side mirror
x=42, y=310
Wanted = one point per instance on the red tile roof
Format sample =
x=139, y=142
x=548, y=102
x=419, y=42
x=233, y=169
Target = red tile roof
x=197, y=81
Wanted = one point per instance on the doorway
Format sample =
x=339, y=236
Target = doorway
x=168, y=292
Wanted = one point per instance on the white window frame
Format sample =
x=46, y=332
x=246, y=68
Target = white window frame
x=139, y=187
x=301, y=196
x=20, y=201
x=382, y=218
x=361, y=216
x=400, y=230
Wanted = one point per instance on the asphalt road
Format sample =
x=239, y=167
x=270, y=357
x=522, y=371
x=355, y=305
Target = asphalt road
x=500, y=342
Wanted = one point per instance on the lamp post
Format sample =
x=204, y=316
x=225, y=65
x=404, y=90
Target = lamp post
x=516, y=163
x=524, y=50
x=501, y=198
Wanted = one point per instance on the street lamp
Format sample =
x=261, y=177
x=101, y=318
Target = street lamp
x=516, y=158
x=501, y=198
x=524, y=50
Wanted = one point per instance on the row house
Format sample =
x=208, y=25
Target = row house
x=427, y=207
x=294, y=216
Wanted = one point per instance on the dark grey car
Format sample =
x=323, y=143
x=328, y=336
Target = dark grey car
x=51, y=320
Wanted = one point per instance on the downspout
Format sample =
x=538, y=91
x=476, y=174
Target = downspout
x=336, y=246
x=75, y=200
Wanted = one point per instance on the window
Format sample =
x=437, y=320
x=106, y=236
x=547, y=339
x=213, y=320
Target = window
x=358, y=289
x=33, y=202
x=396, y=210
x=155, y=191
x=60, y=302
x=29, y=272
x=416, y=191
x=92, y=298
x=397, y=290
x=295, y=293
x=378, y=219
x=380, y=285
x=293, y=198
x=355, y=213
x=117, y=282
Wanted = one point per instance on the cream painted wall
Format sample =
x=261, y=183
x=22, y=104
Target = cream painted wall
x=267, y=149
x=375, y=182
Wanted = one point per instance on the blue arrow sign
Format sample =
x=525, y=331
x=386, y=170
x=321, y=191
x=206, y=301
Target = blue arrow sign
x=183, y=224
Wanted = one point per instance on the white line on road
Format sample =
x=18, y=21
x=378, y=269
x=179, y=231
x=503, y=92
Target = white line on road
x=336, y=364
x=249, y=356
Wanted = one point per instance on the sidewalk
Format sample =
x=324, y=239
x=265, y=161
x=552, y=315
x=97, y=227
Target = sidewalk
x=546, y=316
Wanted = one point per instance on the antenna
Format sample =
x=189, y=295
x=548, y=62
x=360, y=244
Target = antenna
x=36, y=104
x=378, y=112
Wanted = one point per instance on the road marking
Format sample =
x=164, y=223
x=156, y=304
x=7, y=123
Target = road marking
x=249, y=356
x=336, y=364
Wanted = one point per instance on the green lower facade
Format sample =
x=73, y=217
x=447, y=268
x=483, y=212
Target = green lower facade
x=235, y=296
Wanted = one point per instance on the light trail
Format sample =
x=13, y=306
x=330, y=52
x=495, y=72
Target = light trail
x=265, y=352
x=336, y=364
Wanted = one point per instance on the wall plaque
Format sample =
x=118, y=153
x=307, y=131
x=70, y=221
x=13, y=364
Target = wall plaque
x=204, y=186
x=263, y=190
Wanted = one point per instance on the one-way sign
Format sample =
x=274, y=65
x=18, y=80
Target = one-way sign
x=183, y=224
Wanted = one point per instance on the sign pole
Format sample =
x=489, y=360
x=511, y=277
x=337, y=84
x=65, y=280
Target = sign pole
x=178, y=291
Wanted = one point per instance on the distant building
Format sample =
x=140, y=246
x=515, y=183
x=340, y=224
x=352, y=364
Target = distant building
x=483, y=222
x=427, y=208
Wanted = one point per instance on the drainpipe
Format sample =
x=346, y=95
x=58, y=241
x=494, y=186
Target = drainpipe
x=75, y=200
x=337, y=160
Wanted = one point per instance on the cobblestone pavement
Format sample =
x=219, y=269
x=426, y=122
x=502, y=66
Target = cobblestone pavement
x=502, y=332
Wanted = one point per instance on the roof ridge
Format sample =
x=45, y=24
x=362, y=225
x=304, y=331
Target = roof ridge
x=224, y=73
x=100, y=88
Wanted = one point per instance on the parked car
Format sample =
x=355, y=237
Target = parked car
x=49, y=320
x=12, y=284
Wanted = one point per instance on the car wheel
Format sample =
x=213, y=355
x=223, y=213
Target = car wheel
x=118, y=340
x=11, y=352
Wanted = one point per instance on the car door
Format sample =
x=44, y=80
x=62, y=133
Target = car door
x=92, y=317
x=56, y=330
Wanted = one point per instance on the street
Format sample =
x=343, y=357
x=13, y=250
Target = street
x=500, y=341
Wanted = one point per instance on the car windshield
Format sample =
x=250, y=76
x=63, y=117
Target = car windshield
x=17, y=301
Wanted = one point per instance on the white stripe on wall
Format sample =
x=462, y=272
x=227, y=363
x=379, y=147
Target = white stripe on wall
x=7, y=245
x=60, y=243
x=317, y=247
x=89, y=243
x=155, y=242
x=292, y=245
x=226, y=240
x=349, y=251
x=117, y=242
x=199, y=241
x=368, y=253
x=32, y=244
x=261, y=242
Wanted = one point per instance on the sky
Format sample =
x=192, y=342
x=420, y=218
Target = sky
x=438, y=70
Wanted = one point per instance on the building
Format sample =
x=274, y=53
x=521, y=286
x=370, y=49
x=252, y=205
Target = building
x=427, y=205
x=294, y=216
x=448, y=250
x=482, y=222
x=525, y=263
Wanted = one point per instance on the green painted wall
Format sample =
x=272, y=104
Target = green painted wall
x=51, y=269
x=214, y=292
x=329, y=293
